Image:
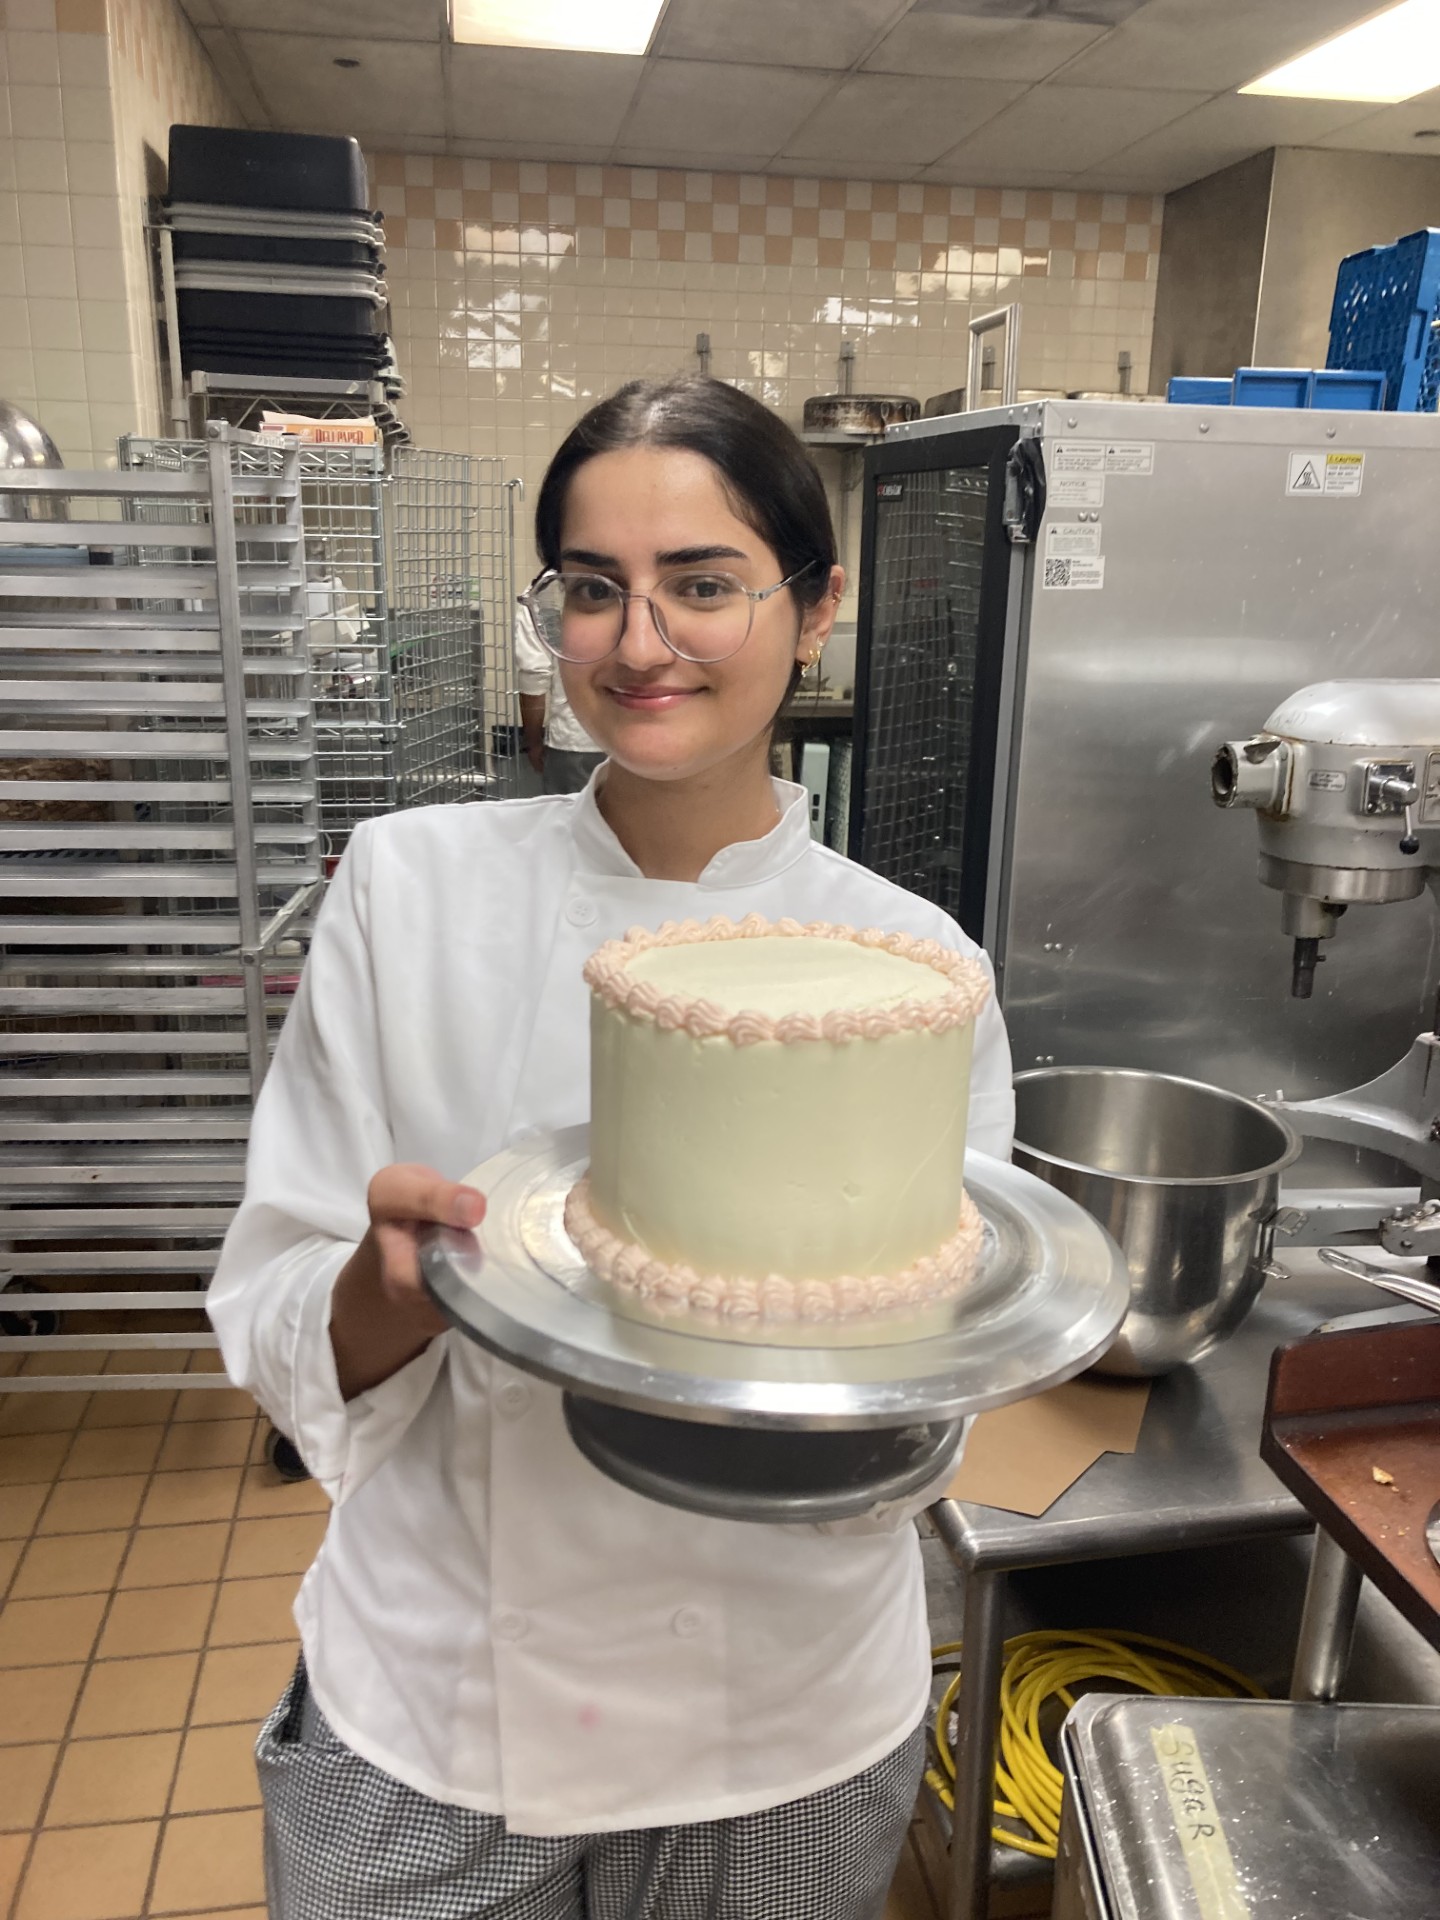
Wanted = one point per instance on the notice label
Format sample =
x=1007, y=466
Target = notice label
x=1130, y=456
x=1073, y=539
x=1314, y=476
x=1074, y=572
x=1075, y=489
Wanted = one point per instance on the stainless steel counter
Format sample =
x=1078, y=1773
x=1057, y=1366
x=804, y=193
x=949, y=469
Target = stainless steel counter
x=1196, y=1477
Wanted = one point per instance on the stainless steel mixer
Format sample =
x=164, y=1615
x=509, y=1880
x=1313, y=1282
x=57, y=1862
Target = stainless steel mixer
x=1345, y=779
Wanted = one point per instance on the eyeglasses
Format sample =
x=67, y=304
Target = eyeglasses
x=700, y=615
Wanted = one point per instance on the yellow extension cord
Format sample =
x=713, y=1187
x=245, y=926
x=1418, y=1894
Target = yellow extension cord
x=1045, y=1665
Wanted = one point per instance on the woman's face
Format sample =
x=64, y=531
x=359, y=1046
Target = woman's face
x=636, y=516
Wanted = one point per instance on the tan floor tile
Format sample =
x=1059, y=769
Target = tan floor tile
x=143, y=1407
x=217, y=1770
x=68, y=1360
x=252, y=1610
x=275, y=1546
x=26, y=1457
x=208, y=1443
x=148, y=1695
x=100, y=1875
x=175, y=1499
x=10, y=1552
x=909, y=1897
x=157, y=1620
x=209, y=1860
x=175, y=1556
x=265, y=1494
x=241, y=1683
x=20, y=1509
x=101, y=1781
x=41, y=1412
x=69, y=1563
x=35, y=1704
x=147, y=1360
x=24, y=1776
x=214, y=1403
x=92, y=1506
x=207, y=1360
x=109, y=1450
x=13, y=1849
x=45, y=1633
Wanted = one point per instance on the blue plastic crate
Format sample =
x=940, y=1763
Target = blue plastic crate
x=1386, y=302
x=1190, y=391
x=1272, y=386
x=1349, y=389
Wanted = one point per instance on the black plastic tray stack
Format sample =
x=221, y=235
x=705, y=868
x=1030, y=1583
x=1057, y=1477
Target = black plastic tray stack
x=279, y=264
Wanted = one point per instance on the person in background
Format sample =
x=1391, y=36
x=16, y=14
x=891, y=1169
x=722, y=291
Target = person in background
x=556, y=745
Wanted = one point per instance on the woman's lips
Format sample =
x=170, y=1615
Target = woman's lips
x=651, y=699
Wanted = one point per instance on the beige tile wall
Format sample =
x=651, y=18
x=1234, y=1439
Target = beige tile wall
x=88, y=88
x=160, y=75
x=523, y=291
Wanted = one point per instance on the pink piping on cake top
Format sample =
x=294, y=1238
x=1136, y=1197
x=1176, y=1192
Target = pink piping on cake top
x=607, y=973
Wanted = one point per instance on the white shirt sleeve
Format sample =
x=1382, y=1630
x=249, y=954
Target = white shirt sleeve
x=318, y=1137
x=533, y=665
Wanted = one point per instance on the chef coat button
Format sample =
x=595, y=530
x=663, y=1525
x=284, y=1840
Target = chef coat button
x=688, y=1622
x=511, y=1626
x=582, y=913
x=514, y=1398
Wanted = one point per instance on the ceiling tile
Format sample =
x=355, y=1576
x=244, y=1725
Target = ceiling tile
x=535, y=94
x=1223, y=131
x=685, y=158
x=235, y=75
x=1211, y=45
x=1067, y=129
x=709, y=108
x=369, y=19
x=527, y=150
x=786, y=33
x=970, y=173
x=394, y=91
x=1392, y=129
x=937, y=43
x=898, y=119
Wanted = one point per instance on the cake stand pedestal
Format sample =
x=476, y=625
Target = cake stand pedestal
x=794, y=1422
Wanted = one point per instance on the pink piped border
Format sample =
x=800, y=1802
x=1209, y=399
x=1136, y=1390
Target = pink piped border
x=607, y=972
x=678, y=1288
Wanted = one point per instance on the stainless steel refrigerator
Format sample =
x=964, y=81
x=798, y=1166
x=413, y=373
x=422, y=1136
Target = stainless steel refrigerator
x=1064, y=608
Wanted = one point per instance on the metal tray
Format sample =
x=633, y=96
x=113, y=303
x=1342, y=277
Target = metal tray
x=1049, y=1293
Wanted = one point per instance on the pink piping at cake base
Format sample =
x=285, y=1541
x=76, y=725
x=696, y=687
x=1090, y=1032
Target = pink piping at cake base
x=676, y=1288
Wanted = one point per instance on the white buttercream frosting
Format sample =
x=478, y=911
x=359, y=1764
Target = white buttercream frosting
x=776, y=1106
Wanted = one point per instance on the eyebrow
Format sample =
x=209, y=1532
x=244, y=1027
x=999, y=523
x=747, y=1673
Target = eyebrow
x=677, y=557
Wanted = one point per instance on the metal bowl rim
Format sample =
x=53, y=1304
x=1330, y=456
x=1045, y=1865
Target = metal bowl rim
x=1293, y=1148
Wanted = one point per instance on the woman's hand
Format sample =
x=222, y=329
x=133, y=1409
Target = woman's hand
x=381, y=1316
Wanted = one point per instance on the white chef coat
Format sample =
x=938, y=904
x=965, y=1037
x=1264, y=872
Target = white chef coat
x=538, y=672
x=490, y=1619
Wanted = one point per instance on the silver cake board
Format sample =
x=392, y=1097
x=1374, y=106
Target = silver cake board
x=795, y=1421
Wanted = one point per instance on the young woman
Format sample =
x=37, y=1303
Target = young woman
x=525, y=1692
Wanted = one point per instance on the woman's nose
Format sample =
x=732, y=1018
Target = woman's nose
x=641, y=644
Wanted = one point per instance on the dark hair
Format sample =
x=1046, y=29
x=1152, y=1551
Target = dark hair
x=770, y=479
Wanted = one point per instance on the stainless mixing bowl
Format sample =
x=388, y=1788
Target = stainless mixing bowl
x=1186, y=1177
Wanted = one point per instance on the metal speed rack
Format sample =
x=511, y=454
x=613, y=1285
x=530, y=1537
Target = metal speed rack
x=158, y=841
x=408, y=576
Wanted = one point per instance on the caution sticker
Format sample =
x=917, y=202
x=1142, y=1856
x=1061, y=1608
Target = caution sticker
x=1317, y=476
x=1130, y=456
x=1073, y=539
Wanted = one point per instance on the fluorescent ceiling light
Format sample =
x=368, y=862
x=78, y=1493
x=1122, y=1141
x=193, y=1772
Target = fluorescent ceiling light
x=590, y=26
x=1392, y=56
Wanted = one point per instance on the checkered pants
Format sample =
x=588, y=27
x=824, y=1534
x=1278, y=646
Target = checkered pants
x=343, y=1841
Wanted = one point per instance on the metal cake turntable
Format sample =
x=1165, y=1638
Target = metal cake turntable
x=799, y=1422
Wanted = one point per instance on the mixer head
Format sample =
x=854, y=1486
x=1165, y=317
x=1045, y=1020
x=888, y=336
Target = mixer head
x=1345, y=778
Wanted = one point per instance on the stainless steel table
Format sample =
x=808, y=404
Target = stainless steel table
x=1196, y=1478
